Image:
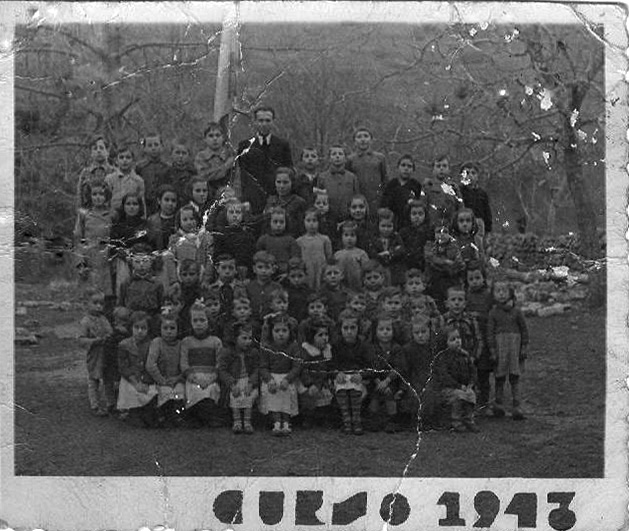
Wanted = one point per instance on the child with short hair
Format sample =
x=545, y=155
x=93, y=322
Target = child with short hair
x=162, y=364
x=357, y=302
x=388, y=248
x=293, y=205
x=161, y=225
x=227, y=285
x=153, y=170
x=350, y=258
x=453, y=378
x=95, y=333
x=444, y=265
x=384, y=385
x=189, y=291
x=278, y=305
x=391, y=303
x=417, y=302
x=298, y=290
x=180, y=171
x=316, y=395
x=307, y=176
x=475, y=197
x=479, y=303
x=96, y=170
x=415, y=234
x=369, y=165
x=124, y=181
x=333, y=289
x=280, y=366
x=217, y=318
x=317, y=310
x=259, y=289
x=350, y=359
x=399, y=191
x=137, y=391
x=508, y=338
x=327, y=224
x=465, y=232
x=215, y=162
x=238, y=368
x=464, y=322
x=316, y=248
x=91, y=236
x=199, y=367
x=339, y=183
x=373, y=283
x=236, y=239
x=277, y=242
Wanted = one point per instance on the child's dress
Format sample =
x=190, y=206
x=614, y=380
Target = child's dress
x=91, y=236
x=131, y=363
x=240, y=369
x=163, y=363
x=276, y=364
x=199, y=358
x=507, y=333
x=316, y=249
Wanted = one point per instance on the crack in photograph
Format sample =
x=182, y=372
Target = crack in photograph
x=341, y=249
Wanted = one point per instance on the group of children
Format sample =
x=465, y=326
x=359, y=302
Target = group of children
x=334, y=304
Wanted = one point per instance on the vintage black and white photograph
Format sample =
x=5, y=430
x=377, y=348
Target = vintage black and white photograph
x=328, y=247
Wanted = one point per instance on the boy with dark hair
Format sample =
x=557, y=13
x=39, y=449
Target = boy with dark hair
x=215, y=162
x=307, y=176
x=236, y=238
x=463, y=321
x=260, y=288
x=124, y=180
x=226, y=285
x=297, y=288
x=340, y=183
x=370, y=166
x=475, y=197
x=152, y=169
x=442, y=193
x=96, y=170
x=181, y=171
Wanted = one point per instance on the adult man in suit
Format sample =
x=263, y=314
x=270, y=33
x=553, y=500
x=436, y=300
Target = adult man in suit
x=262, y=154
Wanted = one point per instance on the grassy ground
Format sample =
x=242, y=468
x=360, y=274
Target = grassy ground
x=563, y=389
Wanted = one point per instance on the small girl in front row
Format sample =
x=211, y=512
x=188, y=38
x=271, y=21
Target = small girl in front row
x=137, y=390
x=238, y=366
x=163, y=366
x=316, y=394
x=316, y=248
x=280, y=365
x=199, y=362
x=508, y=338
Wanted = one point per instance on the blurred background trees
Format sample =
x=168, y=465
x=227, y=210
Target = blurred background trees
x=526, y=101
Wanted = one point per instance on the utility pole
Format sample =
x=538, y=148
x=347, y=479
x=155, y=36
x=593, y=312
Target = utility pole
x=228, y=61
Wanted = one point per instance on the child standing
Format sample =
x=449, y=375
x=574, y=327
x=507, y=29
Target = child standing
x=137, y=391
x=307, y=177
x=162, y=364
x=293, y=205
x=508, y=338
x=373, y=282
x=444, y=265
x=125, y=181
x=298, y=289
x=327, y=225
x=391, y=304
x=96, y=170
x=91, y=236
x=417, y=301
x=152, y=169
x=236, y=239
x=215, y=162
x=370, y=166
x=333, y=290
x=280, y=365
x=199, y=367
x=227, y=285
x=416, y=234
x=238, y=368
x=465, y=233
x=95, y=333
x=181, y=171
x=398, y=192
x=350, y=258
x=260, y=288
x=388, y=248
x=359, y=213
x=316, y=395
x=200, y=200
x=316, y=248
x=189, y=291
x=475, y=197
x=464, y=322
x=454, y=378
x=350, y=358
x=339, y=183
x=479, y=302
x=442, y=193
x=161, y=225
x=277, y=242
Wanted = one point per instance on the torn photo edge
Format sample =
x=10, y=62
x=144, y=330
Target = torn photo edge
x=73, y=503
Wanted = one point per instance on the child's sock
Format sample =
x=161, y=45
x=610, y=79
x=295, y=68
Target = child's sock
x=342, y=399
x=355, y=403
x=247, y=426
